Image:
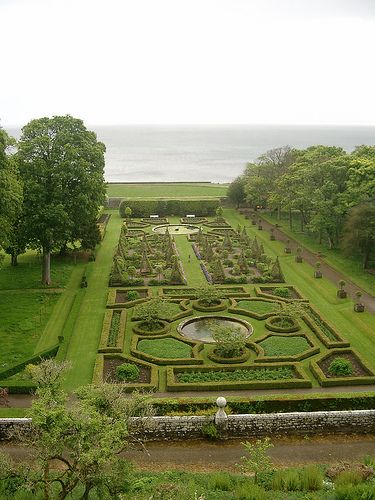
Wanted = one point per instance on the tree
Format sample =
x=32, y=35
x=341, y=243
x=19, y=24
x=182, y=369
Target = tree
x=219, y=212
x=61, y=165
x=236, y=191
x=84, y=436
x=230, y=342
x=257, y=459
x=10, y=191
x=359, y=233
x=208, y=295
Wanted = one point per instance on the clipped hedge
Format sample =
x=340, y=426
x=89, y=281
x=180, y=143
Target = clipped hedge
x=269, y=403
x=281, y=329
x=107, y=322
x=143, y=207
x=313, y=319
x=34, y=359
x=198, y=306
x=325, y=381
x=111, y=300
x=260, y=292
x=300, y=381
x=252, y=314
x=189, y=293
x=128, y=386
x=263, y=358
x=15, y=387
x=194, y=360
x=165, y=327
x=228, y=361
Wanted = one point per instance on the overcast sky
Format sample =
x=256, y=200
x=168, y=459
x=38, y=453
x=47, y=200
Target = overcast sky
x=188, y=61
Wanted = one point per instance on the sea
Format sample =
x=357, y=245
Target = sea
x=218, y=154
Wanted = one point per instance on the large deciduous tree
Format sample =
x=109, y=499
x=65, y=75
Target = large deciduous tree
x=236, y=190
x=62, y=165
x=359, y=233
x=10, y=191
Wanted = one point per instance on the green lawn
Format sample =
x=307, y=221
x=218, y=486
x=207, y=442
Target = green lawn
x=284, y=346
x=24, y=316
x=164, y=190
x=165, y=348
x=257, y=306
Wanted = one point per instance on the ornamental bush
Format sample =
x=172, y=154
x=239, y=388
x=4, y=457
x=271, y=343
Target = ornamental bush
x=282, y=292
x=230, y=342
x=127, y=372
x=132, y=295
x=340, y=367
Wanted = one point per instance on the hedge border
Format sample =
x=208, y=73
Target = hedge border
x=186, y=310
x=173, y=386
x=215, y=308
x=190, y=292
x=194, y=360
x=107, y=321
x=314, y=349
x=35, y=358
x=334, y=381
x=233, y=308
x=278, y=329
x=166, y=327
x=111, y=299
x=265, y=295
x=340, y=342
x=129, y=386
x=142, y=207
x=229, y=361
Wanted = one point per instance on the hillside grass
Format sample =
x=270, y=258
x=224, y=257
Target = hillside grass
x=166, y=190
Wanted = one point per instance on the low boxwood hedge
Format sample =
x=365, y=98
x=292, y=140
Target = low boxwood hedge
x=165, y=327
x=294, y=327
x=106, y=329
x=228, y=361
x=260, y=292
x=128, y=386
x=198, y=306
x=193, y=360
x=325, y=381
x=330, y=337
x=34, y=359
x=300, y=381
x=111, y=300
x=311, y=351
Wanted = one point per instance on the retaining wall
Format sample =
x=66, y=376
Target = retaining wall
x=241, y=426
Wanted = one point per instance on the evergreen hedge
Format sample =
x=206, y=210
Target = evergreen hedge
x=147, y=206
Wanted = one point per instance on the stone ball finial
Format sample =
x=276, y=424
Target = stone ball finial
x=221, y=402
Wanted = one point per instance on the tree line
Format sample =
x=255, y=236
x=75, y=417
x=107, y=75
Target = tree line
x=51, y=187
x=332, y=191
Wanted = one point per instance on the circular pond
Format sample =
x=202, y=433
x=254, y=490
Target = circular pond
x=176, y=229
x=201, y=328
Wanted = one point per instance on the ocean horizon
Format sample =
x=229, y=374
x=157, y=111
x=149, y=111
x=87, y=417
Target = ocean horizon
x=215, y=153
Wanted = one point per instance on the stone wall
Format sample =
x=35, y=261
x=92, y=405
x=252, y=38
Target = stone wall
x=241, y=426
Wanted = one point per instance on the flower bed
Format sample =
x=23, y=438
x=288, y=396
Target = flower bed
x=113, y=330
x=362, y=374
x=236, y=377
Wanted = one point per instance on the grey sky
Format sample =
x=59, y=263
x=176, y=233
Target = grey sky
x=188, y=61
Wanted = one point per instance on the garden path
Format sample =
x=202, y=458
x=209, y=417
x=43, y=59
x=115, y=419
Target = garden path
x=191, y=265
x=328, y=272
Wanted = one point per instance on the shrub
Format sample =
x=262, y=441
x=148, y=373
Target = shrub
x=347, y=477
x=282, y=292
x=132, y=295
x=127, y=372
x=311, y=478
x=250, y=492
x=340, y=367
x=220, y=481
x=230, y=341
x=210, y=431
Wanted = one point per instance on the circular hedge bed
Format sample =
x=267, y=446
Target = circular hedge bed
x=281, y=324
x=159, y=328
x=219, y=305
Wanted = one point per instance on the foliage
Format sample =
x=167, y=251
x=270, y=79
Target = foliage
x=359, y=233
x=165, y=348
x=132, y=295
x=208, y=295
x=244, y=374
x=114, y=329
x=281, y=292
x=62, y=169
x=128, y=372
x=236, y=191
x=230, y=342
x=291, y=310
x=284, y=346
x=340, y=367
x=84, y=436
x=145, y=207
x=257, y=459
x=257, y=306
x=210, y=431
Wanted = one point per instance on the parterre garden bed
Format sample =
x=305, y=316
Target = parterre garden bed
x=276, y=356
